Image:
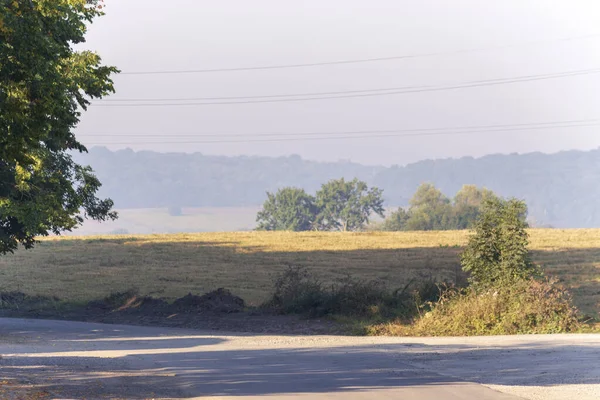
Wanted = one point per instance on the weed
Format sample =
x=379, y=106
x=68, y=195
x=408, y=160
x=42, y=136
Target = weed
x=297, y=291
x=527, y=307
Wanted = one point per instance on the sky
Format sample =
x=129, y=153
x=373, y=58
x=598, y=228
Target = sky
x=450, y=43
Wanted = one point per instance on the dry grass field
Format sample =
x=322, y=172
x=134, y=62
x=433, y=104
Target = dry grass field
x=83, y=268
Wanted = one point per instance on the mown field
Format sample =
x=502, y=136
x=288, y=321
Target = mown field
x=84, y=268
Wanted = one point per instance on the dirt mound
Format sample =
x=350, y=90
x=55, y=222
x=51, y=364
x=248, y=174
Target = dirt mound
x=217, y=310
x=220, y=300
x=10, y=299
x=129, y=302
x=18, y=300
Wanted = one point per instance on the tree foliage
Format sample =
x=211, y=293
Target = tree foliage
x=347, y=205
x=430, y=210
x=467, y=205
x=396, y=221
x=290, y=209
x=339, y=205
x=556, y=187
x=497, y=253
x=45, y=85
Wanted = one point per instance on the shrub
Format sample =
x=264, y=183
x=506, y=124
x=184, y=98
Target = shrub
x=350, y=296
x=528, y=307
x=496, y=254
x=297, y=291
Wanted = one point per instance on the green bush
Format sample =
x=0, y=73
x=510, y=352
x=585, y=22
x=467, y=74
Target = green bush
x=506, y=295
x=496, y=254
x=527, y=307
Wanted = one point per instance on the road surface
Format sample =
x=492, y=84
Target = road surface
x=72, y=360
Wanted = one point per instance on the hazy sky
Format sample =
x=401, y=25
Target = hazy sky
x=516, y=38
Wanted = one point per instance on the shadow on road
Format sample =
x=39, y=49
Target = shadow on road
x=115, y=364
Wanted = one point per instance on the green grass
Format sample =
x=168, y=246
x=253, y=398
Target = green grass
x=78, y=269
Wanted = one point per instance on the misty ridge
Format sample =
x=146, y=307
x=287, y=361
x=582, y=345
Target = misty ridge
x=560, y=189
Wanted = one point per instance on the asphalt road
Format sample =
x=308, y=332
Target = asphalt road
x=71, y=360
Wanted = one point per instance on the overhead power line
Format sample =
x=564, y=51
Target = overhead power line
x=479, y=128
x=378, y=134
x=263, y=96
x=355, y=93
x=358, y=61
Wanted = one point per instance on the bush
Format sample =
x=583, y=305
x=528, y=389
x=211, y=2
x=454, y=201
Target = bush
x=497, y=253
x=297, y=291
x=528, y=307
x=350, y=296
x=506, y=295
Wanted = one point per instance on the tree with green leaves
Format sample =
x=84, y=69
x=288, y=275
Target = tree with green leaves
x=290, y=209
x=497, y=253
x=45, y=85
x=467, y=205
x=347, y=205
x=396, y=221
x=429, y=210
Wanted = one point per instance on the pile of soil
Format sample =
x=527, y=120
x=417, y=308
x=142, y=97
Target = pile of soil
x=220, y=301
x=217, y=310
x=128, y=303
x=22, y=301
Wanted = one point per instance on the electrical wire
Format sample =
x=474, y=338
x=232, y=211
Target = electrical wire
x=413, y=133
x=367, y=92
x=358, y=61
x=549, y=124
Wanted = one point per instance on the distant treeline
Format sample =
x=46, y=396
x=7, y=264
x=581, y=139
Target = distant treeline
x=560, y=189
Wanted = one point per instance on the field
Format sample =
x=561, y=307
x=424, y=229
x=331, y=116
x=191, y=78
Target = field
x=83, y=268
x=146, y=221
x=158, y=220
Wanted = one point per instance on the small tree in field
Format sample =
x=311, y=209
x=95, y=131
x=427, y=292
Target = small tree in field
x=396, y=221
x=290, y=209
x=347, y=205
x=497, y=252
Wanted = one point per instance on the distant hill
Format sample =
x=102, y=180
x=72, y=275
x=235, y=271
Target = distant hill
x=562, y=189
